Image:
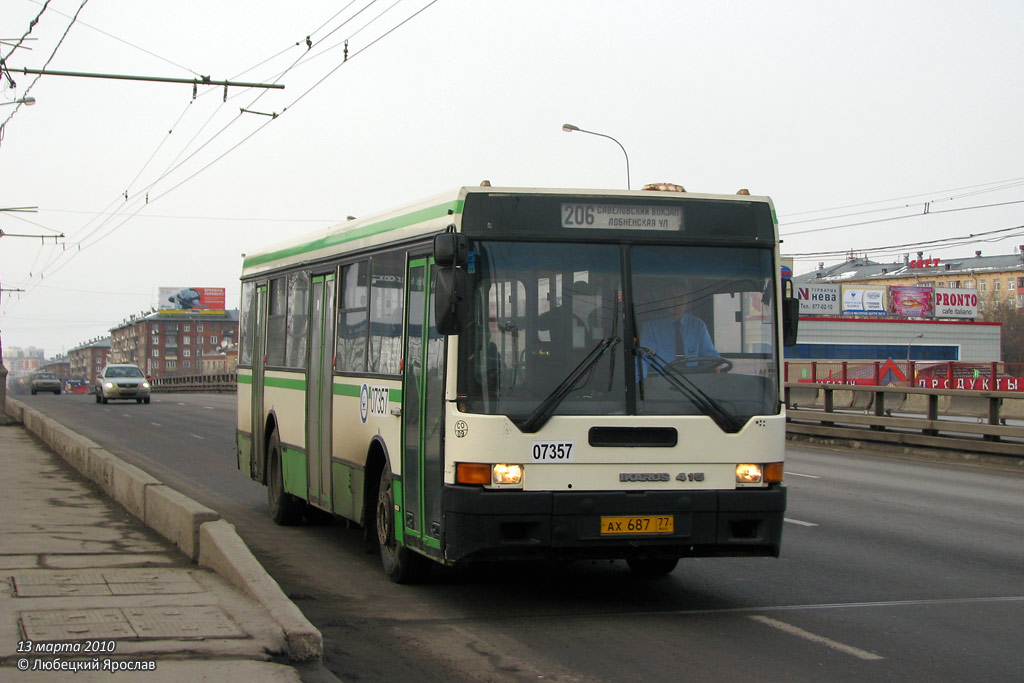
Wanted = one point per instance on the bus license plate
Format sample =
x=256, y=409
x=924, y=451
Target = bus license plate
x=642, y=524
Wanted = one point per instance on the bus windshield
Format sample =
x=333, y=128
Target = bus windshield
x=691, y=334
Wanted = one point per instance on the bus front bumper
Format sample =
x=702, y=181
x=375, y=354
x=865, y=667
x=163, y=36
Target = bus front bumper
x=483, y=524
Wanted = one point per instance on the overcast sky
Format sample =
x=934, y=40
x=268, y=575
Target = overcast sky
x=848, y=106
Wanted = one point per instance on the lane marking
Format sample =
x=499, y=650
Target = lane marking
x=798, y=522
x=156, y=424
x=797, y=474
x=208, y=407
x=181, y=404
x=750, y=611
x=814, y=638
x=196, y=436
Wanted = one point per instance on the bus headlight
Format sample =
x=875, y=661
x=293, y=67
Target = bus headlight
x=507, y=475
x=749, y=473
x=500, y=475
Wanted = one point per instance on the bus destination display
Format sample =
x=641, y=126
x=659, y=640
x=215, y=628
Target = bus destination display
x=622, y=216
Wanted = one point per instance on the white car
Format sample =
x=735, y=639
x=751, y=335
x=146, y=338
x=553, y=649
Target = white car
x=122, y=382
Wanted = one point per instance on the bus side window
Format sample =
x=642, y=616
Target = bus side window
x=352, y=319
x=298, y=319
x=276, y=335
x=387, y=306
x=247, y=325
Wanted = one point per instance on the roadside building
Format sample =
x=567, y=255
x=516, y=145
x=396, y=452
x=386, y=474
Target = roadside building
x=23, y=361
x=86, y=361
x=59, y=366
x=221, y=362
x=921, y=309
x=996, y=278
x=172, y=343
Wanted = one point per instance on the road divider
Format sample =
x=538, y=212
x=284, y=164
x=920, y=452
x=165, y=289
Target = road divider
x=198, y=531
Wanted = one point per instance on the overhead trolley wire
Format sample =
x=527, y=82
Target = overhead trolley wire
x=58, y=266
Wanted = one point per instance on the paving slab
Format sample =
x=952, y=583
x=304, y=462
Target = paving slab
x=86, y=588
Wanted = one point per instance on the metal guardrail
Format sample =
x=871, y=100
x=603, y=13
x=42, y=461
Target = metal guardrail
x=934, y=418
x=222, y=383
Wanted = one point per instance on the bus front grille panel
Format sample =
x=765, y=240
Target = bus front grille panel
x=633, y=437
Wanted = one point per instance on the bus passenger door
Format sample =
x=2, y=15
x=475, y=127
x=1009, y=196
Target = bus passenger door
x=319, y=390
x=422, y=412
x=258, y=357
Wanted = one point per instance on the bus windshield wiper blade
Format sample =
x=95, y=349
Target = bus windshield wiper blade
x=546, y=408
x=685, y=385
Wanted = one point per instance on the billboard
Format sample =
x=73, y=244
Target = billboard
x=189, y=299
x=818, y=299
x=864, y=300
x=911, y=302
x=956, y=303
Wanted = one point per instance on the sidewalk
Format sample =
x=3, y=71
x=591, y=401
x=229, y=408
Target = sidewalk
x=78, y=573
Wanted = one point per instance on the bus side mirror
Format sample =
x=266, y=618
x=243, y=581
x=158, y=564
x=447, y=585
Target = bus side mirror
x=790, y=320
x=451, y=249
x=449, y=299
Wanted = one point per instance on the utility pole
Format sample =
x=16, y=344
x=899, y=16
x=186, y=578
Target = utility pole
x=3, y=371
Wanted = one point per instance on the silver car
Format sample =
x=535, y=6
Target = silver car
x=122, y=382
x=45, y=381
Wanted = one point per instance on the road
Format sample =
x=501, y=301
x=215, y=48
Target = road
x=891, y=569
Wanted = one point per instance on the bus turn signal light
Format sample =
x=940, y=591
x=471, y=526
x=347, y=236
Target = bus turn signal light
x=472, y=473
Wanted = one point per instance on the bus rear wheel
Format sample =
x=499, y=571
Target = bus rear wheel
x=285, y=509
x=652, y=566
x=400, y=564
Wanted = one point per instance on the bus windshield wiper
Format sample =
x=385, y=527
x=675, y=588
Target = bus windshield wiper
x=686, y=386
x=546, y=408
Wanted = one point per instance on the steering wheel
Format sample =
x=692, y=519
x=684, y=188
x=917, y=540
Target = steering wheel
x=701, y=364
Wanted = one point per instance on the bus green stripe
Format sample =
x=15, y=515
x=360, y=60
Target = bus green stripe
x=387, y=225
x=244, y=379
x=285, y=383
x=347, y=389
x=354, y=391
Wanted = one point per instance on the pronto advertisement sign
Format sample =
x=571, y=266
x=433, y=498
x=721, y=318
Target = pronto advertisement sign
x=911, y=302
x=818, y=299
x=956, y=303
x=191, y=299
x=864, y=300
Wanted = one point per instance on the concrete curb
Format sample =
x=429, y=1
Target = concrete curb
x=222, y=550
x=195, y=529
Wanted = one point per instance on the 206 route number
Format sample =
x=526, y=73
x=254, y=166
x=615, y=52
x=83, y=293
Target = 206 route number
x=552, y=451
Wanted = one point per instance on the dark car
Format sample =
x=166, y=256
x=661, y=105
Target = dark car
x=45, y=381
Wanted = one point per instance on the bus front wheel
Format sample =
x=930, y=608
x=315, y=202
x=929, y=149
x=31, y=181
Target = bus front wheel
x=285, y=509
x=400, y=564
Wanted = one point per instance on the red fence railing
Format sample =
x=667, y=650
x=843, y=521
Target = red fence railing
x=901, y=373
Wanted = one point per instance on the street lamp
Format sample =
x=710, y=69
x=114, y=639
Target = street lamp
x=27, y=101
x=568, y=128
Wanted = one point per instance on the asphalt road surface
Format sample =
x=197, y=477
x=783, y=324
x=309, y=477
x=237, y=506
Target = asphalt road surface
x=891, y=570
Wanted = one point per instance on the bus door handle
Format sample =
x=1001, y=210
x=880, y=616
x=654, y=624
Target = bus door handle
x=397, y=412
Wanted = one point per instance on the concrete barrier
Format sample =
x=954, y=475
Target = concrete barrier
x=968, y=406
x=805, y=397
x=221, y=549
x=176, y=517
x=128, y=486
x=1013, y=409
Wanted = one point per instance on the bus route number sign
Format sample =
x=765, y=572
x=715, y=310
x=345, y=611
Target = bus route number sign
x=552, y=451
x=622, y=216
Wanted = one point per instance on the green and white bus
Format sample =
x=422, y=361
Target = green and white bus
x=486, y=376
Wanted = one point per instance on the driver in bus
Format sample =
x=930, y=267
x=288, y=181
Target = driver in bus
x=673, y=333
